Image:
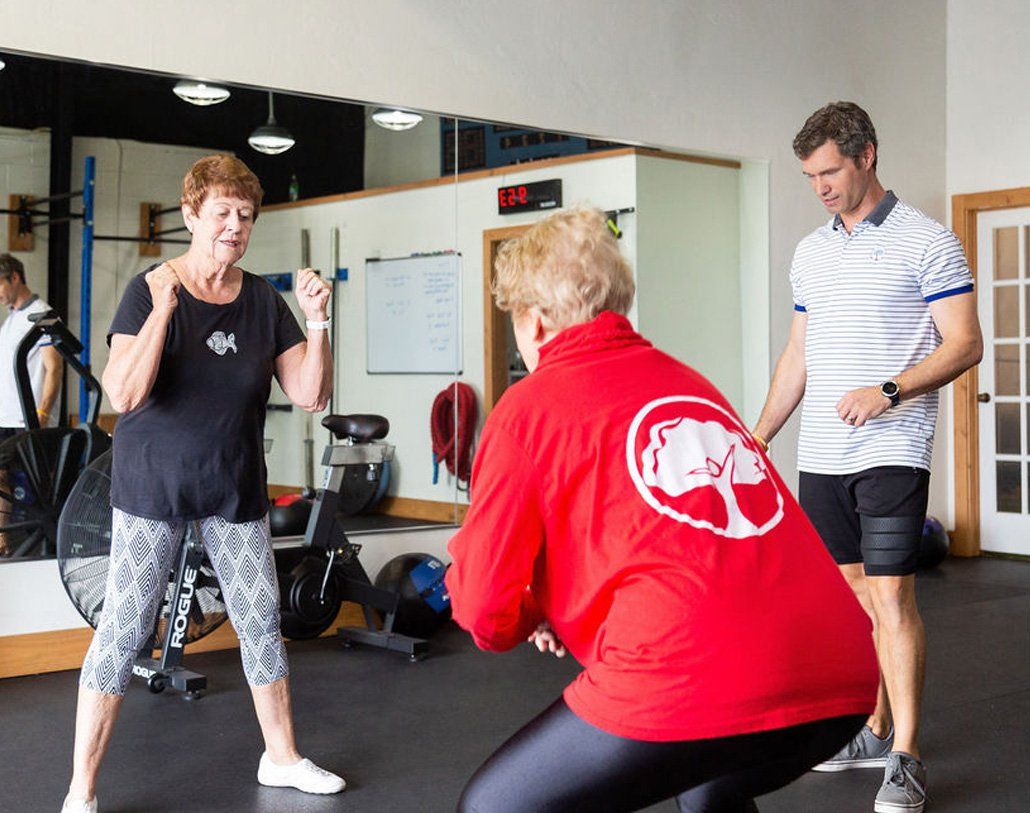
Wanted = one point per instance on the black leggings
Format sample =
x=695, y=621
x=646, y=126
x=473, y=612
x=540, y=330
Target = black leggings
x=558, y=762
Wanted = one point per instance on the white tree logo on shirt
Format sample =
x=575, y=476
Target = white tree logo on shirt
x=694, y=462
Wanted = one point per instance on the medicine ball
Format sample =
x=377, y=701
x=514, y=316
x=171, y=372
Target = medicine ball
x=933, y=547
x=425, y=604
x=290, y=519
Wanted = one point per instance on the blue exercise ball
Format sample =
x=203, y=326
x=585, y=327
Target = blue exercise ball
x=933, y=547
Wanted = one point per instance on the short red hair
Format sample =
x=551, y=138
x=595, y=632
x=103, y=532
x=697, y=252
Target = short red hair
x=222, y=173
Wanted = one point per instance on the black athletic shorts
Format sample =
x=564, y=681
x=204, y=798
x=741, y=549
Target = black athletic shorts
x=874, y=516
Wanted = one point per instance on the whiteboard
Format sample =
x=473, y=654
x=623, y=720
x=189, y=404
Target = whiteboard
x=413, y=314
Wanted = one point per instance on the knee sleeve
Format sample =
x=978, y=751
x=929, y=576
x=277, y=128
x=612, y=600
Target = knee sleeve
x=890, y=545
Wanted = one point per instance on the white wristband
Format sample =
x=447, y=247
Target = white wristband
x=313, y=325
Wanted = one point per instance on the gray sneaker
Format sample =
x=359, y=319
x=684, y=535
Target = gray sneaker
x=904, y=785
x=866, y=750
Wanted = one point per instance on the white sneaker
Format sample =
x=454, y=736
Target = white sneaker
x=79, y=806
x=304, y=775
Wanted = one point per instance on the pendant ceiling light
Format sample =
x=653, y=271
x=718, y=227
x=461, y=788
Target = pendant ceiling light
x=200, y=93
x=393, y=119
x=270, y=138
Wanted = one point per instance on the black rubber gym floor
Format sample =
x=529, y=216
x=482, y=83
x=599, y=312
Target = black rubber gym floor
x=406, y=736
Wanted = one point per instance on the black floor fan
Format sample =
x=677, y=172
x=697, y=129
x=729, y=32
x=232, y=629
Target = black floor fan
x=192, y=606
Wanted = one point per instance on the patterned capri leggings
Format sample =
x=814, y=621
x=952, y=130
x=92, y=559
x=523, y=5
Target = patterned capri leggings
x=143, y=552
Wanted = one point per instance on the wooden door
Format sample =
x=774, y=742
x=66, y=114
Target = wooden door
x=497, y=341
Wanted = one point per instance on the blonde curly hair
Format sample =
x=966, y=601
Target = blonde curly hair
x=568, y=266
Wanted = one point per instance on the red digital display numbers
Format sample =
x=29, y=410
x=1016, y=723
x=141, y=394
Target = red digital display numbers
x=508, y=196
x=529, y=197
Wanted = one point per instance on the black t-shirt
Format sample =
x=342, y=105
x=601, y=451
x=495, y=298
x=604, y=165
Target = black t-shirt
x=195, y=447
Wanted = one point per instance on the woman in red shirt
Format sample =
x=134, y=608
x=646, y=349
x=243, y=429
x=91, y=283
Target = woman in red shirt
x=622, y=511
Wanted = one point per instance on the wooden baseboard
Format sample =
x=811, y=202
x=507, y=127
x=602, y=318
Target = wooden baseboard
x=431, y=510
x=276, y=490
x=40, y=652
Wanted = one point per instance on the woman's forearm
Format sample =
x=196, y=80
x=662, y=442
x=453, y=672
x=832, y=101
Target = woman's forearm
x=132, y=367
x=316, y=373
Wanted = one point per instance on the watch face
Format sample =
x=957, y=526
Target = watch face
x=889, y=388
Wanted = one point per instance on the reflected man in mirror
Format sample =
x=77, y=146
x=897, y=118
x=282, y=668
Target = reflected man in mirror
x=44, y=363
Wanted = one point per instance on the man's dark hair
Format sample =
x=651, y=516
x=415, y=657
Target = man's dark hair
x=9, y=266
x=844, y=123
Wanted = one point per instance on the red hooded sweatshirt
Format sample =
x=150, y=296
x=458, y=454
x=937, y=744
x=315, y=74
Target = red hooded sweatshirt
x=617, y=494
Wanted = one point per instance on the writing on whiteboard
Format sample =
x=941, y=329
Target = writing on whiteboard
x=412, y=314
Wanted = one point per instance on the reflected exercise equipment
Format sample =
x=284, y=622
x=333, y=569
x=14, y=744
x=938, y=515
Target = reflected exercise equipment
x=40, y=466
x=192, y=606
x=317, y=571
x=323, y=567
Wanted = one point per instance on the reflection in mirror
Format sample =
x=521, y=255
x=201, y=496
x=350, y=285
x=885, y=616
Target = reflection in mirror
x=693, y=228
x=389, y=250
x=142, y=138
x=405, y=224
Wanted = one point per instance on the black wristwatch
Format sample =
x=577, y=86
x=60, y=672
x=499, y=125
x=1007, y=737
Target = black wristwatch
x=891, y=391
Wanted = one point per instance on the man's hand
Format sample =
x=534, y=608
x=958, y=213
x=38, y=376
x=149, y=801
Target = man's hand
x=164, y=288
x=861, y=405
x=545, y=640
x=312, y=294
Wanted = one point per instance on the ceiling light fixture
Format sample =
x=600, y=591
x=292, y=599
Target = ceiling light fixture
x=393, y=119
x=200, y=93
x=270, y=138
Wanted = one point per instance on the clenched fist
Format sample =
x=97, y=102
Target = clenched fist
x=312, y=294
x=164, y=288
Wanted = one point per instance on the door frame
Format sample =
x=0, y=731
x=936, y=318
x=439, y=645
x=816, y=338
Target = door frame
x=495, y=329
x=966, y=539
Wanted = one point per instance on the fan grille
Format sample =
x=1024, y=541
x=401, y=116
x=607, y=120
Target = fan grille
x=84, y=548
x=40, y=467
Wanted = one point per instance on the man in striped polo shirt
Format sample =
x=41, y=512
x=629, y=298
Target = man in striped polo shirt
x=884, y=317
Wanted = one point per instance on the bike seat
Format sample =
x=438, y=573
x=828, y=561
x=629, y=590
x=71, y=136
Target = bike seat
x=360, y=428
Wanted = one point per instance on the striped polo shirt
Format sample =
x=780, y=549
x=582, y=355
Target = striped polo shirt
x=867, y=297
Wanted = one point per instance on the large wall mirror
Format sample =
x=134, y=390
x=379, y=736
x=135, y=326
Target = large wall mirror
x=404, y=215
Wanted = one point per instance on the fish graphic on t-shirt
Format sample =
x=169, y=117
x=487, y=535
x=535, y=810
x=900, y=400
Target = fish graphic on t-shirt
x=221, y=343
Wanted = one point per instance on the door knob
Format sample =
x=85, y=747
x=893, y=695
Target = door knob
x=983, y=397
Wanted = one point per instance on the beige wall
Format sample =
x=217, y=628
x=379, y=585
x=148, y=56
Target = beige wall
x=988, y=81
x=688, y=267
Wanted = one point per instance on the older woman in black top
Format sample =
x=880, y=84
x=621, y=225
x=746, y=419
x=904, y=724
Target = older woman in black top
x=194, y=345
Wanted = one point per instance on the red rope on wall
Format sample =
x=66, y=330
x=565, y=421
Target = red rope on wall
x=452, y=437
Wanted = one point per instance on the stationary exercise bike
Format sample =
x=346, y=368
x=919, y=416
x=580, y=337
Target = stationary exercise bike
x=326, y=570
